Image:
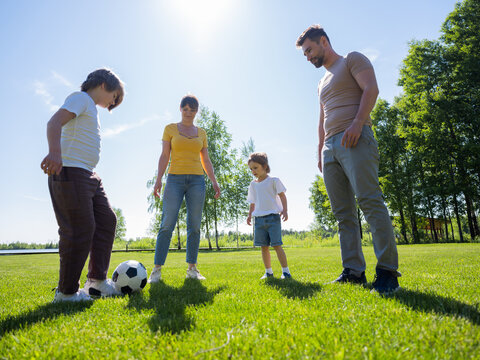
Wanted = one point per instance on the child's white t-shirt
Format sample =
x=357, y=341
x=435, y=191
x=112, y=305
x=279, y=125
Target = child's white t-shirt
x=264, y=195
x=80, y=140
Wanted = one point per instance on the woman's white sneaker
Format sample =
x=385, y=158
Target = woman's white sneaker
x=193, y=273
x=155, y=275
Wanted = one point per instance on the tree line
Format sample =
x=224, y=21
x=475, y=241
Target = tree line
x=429, y=138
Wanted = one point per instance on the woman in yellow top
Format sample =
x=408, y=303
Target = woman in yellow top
x=185, y=146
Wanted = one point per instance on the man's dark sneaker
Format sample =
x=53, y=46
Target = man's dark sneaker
x=347, y=277
x=386, y=281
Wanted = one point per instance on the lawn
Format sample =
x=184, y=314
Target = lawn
x=233, y=314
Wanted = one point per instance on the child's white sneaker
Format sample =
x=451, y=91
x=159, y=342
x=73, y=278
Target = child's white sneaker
x=266, y=276
x=193, y=273
x=155, y=275
x=286, y=275
x=78, y=296
x=101, y=288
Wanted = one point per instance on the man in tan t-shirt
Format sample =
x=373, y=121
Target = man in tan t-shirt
x=348, y=158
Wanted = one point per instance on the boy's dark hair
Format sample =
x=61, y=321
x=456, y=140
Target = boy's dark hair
x=314, y=33
x=190, y=100
x=260, y=158
x=110, y=79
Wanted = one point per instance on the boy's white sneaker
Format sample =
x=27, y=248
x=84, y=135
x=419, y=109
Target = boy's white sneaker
x=78, y=296
x=155, y=276
x=101, y=288
x=266, y=276
x=286, y=275
x=193, y=273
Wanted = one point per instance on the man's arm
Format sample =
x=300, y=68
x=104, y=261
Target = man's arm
x=321, y=137
x=368, y=83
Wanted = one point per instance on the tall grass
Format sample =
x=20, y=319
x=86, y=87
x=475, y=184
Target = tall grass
x=235, y=315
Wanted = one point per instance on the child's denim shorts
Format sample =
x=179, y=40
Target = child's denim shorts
x=268, y=230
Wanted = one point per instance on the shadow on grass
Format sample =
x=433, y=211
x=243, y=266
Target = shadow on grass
x=430, y=302
x=292, y=288
x=170, y=304
x=41, y=314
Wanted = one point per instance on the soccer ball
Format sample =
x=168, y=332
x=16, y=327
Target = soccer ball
x=130, y=276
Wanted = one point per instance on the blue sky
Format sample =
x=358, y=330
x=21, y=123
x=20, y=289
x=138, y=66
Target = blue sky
x=237, y=56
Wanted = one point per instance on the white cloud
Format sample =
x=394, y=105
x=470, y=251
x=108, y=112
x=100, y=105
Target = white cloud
x=61, y=79
x=371, y=54
x=41, y=90
x=34, y=198
x=111, y=132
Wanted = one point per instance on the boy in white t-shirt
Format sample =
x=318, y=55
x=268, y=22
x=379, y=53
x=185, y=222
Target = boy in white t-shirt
x=267, y=203
x=85, y=218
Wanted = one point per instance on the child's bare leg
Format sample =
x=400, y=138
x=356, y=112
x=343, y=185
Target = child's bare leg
x=266, y=257
x=282, y=257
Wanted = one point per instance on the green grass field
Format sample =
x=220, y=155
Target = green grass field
x=233, y=314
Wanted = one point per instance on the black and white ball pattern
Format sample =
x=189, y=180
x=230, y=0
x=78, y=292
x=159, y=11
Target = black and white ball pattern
x=130, y=276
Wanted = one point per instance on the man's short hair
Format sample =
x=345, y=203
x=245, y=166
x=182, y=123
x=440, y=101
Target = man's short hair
x=314, y=33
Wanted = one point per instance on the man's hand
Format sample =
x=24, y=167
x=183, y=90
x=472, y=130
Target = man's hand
x=352, y=134
x=284, y=215
x=249, y=220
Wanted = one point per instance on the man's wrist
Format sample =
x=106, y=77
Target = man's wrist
x=359, y=121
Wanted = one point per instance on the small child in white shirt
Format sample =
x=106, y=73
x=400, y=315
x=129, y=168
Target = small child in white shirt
x=267, y=203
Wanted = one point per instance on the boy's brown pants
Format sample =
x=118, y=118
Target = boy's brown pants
x=86, y=225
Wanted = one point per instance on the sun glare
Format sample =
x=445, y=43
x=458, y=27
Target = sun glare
x=202, y=17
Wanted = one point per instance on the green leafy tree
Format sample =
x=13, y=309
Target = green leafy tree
x=432, y=129
x=441, y=100
x=121, y=228
x=239, y=179
x=393, y=168
x=320, y=204
x=461, y=36
x=219, y=140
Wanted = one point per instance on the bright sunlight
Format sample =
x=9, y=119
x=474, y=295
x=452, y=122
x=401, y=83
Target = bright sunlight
x=202, y=18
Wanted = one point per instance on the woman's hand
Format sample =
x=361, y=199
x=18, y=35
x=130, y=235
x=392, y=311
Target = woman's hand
x=217, y=190
x=157, y=189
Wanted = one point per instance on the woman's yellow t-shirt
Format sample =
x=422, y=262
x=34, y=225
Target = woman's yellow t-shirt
x=185, y=151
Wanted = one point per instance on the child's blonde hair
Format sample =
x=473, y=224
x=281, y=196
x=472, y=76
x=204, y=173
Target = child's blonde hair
x=110, y=79
x=260, y=158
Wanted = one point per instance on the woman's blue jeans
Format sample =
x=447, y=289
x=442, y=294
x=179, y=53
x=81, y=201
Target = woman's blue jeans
x=192, y=187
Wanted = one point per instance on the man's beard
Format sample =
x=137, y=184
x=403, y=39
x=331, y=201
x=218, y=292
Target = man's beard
x=317, y=62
